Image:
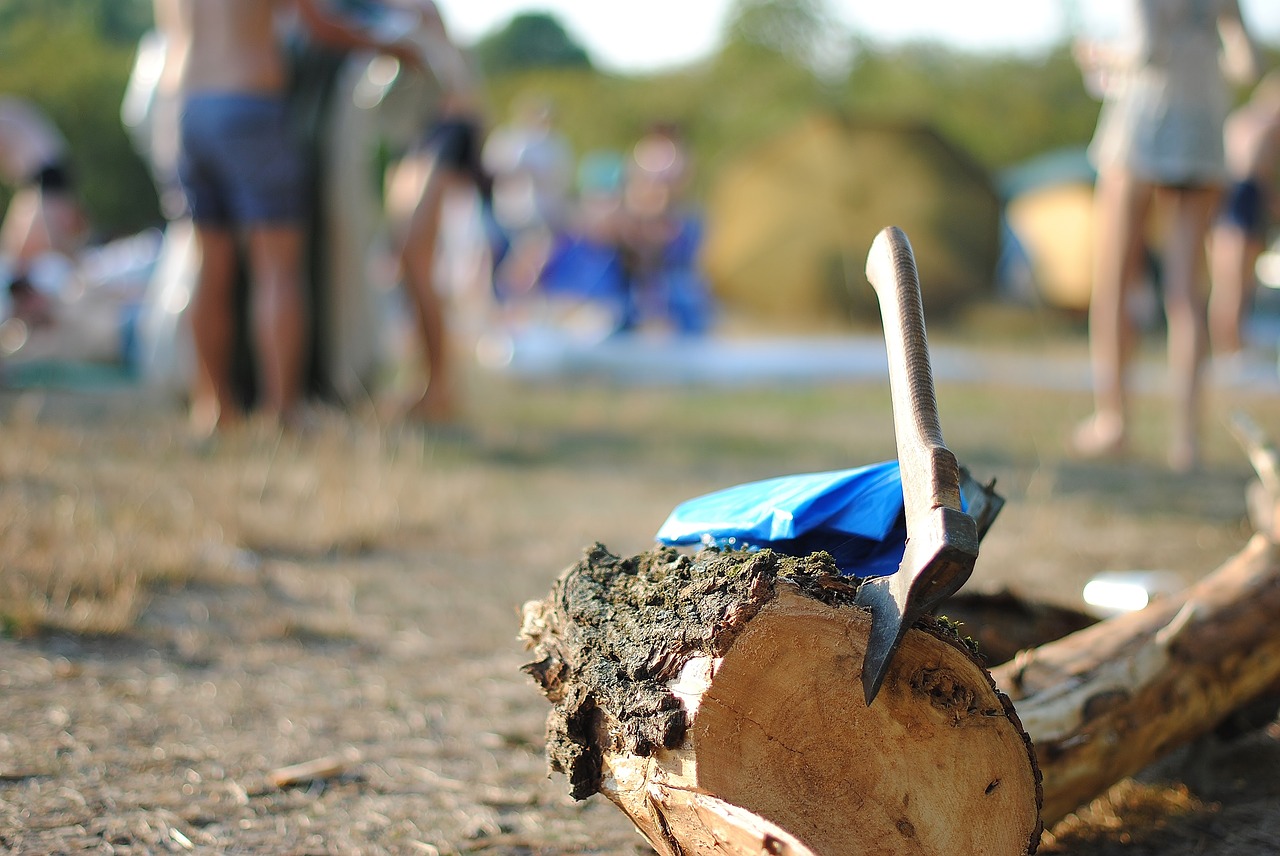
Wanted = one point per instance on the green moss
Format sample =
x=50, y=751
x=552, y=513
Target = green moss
x=627, y=626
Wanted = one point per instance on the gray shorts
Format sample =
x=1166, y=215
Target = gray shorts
x=239, y=162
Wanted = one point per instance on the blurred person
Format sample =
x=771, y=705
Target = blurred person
x=45, y=215
x=660, y=237
x=1159, y=141
x=445, y=161
x=532, y=168
x=243, y=176
x=1252, y=139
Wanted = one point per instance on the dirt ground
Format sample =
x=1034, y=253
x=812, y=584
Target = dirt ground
x=182, y=619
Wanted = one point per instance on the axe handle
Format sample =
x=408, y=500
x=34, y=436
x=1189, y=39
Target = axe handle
x=930, y=474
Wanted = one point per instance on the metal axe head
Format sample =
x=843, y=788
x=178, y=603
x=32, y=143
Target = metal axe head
x=942, y=541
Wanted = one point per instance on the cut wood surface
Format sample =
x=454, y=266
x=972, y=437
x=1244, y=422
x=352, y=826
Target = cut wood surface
x=737, y=677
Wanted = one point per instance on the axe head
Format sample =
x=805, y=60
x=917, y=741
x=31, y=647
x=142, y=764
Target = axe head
x=940, y=553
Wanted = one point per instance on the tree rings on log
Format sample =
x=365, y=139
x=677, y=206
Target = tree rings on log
x=723, y=692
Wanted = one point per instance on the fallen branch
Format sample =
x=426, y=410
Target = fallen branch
x=1109, y=700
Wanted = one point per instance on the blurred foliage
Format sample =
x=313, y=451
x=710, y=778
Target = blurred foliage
x=530, y=40
x=118, y=21
x=1001, y=108
x=804, y=32
x=779, y=60
x=38, y=38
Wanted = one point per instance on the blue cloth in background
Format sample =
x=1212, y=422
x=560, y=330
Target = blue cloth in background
x=855, y=515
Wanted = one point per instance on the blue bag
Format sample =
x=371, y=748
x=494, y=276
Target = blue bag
x=855, y=515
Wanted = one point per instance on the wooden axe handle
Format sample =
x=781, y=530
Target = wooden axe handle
x=930, y=474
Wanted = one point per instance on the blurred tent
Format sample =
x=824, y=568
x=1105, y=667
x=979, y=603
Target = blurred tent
x=789, y=223
x=1049, y=210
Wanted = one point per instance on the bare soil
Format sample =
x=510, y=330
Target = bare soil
x=182, y=619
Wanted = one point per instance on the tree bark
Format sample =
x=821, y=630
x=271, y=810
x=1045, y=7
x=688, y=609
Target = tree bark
x=747, y=703
x=1108, y=701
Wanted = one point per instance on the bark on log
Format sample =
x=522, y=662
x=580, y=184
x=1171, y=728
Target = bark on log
x=724, y=693
x=1107, y=701
x=1003, y=623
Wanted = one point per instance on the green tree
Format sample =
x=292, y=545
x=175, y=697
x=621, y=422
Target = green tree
x=530, y=40
x=804, y=32
x=1002, y=109
x=119, y=21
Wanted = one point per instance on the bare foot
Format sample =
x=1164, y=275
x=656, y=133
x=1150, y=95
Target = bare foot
x=437, y=406
x=1100, y=436
x=206, y=418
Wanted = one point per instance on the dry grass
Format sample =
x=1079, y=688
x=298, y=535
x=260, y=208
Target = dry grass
x=97, y=512
x=94, y=517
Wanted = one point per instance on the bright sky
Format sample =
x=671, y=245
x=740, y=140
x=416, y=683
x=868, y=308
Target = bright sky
x=641, y=35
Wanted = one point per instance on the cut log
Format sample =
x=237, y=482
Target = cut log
x=1108, y=701
x=723, y=692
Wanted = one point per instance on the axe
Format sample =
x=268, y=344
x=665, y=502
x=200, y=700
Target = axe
x=942, y=541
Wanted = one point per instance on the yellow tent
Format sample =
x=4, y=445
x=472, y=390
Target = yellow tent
x=790, y=222
x=1049, y=209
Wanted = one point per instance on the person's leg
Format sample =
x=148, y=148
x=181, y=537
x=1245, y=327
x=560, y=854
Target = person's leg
x=1190, y=215
x=257, y=181
x=278, y=314
x=39, y=222
x=417, y=247
x=213, y=397
x=23, y=236
x=1233, y=254
x=1121, y=205
x=1236, y=242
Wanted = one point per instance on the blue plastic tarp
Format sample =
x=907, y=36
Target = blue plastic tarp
x=855, y=515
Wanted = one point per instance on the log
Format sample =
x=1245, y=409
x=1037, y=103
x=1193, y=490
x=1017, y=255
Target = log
x=1105, y=702
x=717, y=701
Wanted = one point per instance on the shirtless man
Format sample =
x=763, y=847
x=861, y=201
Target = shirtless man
x=1252, y=137
x=44, y=215
x=243, y=175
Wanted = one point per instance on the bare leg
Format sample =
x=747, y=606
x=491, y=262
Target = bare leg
x=1121, y=205
x=1190, y=215
x=213, y=400
x=278, y=312
x=1233, y=255
x=37, y=223
x=417, y=260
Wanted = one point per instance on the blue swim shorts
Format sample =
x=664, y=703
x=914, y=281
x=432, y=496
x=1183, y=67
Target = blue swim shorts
x=239, y=162
x=1245, y=207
